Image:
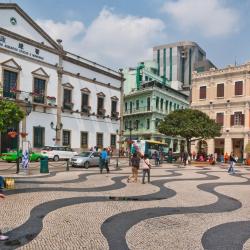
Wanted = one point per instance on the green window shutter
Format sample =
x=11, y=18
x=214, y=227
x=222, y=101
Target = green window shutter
x=38, y=137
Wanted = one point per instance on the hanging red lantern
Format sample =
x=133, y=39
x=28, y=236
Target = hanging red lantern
x=12, y=134
x=23, y=134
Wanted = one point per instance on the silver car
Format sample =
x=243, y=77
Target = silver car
x=85, y=159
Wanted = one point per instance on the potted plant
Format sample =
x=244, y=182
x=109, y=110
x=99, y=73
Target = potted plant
x=15, y=90
x=51, y=100
x=68, y=105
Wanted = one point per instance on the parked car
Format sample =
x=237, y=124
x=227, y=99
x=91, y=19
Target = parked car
x=57, y=153
x=12, y=156
x=85, y=159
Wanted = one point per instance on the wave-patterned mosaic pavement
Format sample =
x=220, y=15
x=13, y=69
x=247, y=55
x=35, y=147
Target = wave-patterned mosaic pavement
x=182, y=208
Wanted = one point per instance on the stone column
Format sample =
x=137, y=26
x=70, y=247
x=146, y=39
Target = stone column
x=121, y=110
x=59, y=94
x=59, y=106
x=210, y=146
x=228, y=144
x=246, y=141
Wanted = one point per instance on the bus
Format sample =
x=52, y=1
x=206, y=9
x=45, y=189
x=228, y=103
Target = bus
x=149, y=147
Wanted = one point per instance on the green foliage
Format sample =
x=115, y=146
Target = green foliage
x=10, y=114
x=189, y=123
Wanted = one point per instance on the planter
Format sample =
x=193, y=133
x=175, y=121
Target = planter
x=51, y=100
x=24, y=96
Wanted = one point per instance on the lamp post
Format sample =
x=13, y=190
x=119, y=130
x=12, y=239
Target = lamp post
x=130, y=143
x=28, y=109
x=56, y=128
x=119, y=133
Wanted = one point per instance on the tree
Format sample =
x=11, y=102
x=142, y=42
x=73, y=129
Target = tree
x=10, y=114
x=190, y=124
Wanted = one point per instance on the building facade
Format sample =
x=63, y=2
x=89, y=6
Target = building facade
x=176, y=61
x=224, y=95
x=147, y=100
x=75, y=102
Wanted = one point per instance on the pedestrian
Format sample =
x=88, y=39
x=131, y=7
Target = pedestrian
x=231, y=164
x=156, y=157
x=194, y=155
x=104, y=160
x=226, y=157
x=3, y=237
x=135, y=161
x=185, y=157
x=146, y=166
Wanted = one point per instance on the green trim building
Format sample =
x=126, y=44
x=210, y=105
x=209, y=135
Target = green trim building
x=148, y=98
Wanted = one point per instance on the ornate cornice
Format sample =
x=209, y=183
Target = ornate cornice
x=215, y=73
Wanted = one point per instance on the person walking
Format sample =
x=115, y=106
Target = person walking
x=104, y=160
x=146, y=166
x=135, y=161
x=2, y=237
x=185, y=157
x=231, y=164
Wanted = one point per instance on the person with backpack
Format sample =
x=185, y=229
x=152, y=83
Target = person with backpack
x=146, y=166
x=135, y=161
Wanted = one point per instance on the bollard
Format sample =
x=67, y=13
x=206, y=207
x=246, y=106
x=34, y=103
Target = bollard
x=117, y=162
x=67, y=166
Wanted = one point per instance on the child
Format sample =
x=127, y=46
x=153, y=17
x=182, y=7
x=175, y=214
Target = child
x=146, y=166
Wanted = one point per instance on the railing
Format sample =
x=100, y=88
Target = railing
x=25, y=96
x=85, y=109
x=138, y=110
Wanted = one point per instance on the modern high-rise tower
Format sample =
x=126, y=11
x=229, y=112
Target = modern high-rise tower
x=176, y=61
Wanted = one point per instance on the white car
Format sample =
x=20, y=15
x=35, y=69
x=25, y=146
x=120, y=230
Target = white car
x=57, y=153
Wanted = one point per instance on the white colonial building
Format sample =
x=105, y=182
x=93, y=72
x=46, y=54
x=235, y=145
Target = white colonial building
x=80, y=97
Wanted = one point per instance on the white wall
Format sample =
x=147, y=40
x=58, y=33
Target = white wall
x=22, y=27
x=73, y=68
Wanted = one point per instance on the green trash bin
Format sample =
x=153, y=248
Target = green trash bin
x=44, y=166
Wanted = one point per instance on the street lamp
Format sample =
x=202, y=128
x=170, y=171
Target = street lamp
x=56, y=128
x=28, y=109
x=130, y=142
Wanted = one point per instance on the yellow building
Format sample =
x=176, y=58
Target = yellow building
x=224, y=95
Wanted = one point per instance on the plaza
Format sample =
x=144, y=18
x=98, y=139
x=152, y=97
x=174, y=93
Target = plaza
x=193, y=207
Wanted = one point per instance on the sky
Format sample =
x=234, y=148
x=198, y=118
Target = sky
x=121, y=33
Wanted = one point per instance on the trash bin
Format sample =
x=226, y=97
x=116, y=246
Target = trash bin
x=170, y=159
x=44, y=166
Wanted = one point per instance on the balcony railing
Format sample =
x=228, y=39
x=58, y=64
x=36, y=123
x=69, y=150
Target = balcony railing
x=115, y=115
x=9, y=94
x=86, y=109
x=138, y=110
x=20, y=95
x=68, y=105
x=101, y=112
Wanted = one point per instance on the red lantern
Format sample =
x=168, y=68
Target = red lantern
x=23, y=134
x=12, y=134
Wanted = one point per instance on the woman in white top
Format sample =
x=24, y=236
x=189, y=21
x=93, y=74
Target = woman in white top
x=146, y=166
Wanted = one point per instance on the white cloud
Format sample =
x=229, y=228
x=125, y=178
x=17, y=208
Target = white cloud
x=209, y=17
x=110, y=39
x=70, y=32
